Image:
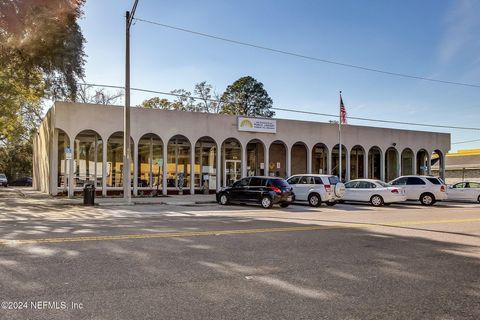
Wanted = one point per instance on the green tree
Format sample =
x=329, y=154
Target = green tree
x=246, y=96
x=156, y=103
x=41, y=57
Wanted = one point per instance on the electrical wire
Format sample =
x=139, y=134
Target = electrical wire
x=468, y=141
x=292, y=110
x=298, y=55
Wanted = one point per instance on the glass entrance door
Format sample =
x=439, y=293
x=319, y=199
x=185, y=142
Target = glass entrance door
x=232, y=171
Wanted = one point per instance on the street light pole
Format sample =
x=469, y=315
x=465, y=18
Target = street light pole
x=127, y=153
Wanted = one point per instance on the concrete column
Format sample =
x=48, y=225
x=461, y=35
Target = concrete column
x=399, y=164
x=244, y=160
x=54, y=172
x=266, y=159
x=347, y=164
x=288, y=164
x=382, y=166
x=329, y=165
x=104, y=168
x=414, y=164
x=365, y=165
x=192, y=169
x=309, y=159
x=135, y=169
x=164, y=176
x=441, y=172
x=219, y=168
x=71, y=182
x=429, y=163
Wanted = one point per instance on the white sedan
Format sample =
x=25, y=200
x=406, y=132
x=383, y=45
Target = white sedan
x=374, y=191
x=464, y=191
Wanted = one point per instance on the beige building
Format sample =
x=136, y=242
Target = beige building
x=201, y=152
x=463, y=165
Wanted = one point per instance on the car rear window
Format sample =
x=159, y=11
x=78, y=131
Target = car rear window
x=333, y=180
x=256, y=182
x=434, y=180
x=279, y=183
x=318, y=180
x=415, y=181
x=383, y=184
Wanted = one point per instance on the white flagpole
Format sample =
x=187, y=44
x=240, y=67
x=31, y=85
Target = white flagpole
x=340, y=139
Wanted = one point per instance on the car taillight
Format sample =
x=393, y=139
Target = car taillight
x=328, y=187
x=442, y=188
x=394, y=190
x=276, y=190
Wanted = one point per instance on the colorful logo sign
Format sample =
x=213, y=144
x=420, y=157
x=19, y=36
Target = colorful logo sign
x=257, y=125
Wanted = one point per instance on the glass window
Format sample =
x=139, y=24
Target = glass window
x=279, y=183
x=383, y=184
x=333, y=180
x=414, y=181
x=399, y=182
x=115, y=160
x=205, y=164
x=87, y=165
x=307, y=180
x=363, y=185
x=434, y=181
x=150, y=161
x=318, y=180
x=178, y=163
x=63, y=168
x=255, y=181
x=351, y=184
x=474, y=185
x=460, y=185
x=294, y=180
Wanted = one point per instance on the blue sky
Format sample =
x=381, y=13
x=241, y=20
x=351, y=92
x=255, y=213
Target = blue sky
x=430, y=38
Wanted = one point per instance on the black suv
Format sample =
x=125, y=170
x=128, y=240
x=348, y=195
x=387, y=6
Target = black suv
x=264, y=190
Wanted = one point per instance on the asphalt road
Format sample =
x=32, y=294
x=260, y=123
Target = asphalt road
x=238, y=262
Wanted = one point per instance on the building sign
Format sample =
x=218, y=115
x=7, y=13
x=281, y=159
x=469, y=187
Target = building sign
x=257, y=125
x=68, y=153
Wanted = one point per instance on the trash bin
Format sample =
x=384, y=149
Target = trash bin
x=89, y=194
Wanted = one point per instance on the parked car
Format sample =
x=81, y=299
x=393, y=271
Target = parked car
x=22, y=182
x=376, y=192
x=464, y=191
x=3, y=180
x=266, y=191
x=426, y=189
x=317, y=188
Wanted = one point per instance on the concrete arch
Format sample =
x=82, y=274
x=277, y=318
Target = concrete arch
x=345, y=163
x=279, y=155
x=320, y=158
x=206, y=164
x=257, y=158
x=437, y=163
x=233, y=160
x=422, y=161
x=300, y=158
x=392, y=164
x=376, y=163
x=358, y=164
x=407, y=162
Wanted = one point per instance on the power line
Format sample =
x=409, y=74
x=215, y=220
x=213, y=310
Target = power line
x=468, y=141
x=298, y=55
x=292, y=110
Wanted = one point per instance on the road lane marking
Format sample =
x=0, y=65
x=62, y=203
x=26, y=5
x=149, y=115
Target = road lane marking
x=346, y=225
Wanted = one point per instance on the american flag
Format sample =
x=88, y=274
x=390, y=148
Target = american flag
x=343, y=112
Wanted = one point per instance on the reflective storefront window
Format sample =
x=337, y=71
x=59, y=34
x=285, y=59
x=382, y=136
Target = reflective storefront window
x=178, y=165
x=231, y=161
x=88, y=162
x=391, y=164
x=278, y=157
x=115, y=160
x=205, y=164
x=374, y=157
x=150, y=162
x=407, y=162
x=357, y=156
x=62, y=168
x=336, y=163
x=320, y=159
x=255, y=159
x=299, y=158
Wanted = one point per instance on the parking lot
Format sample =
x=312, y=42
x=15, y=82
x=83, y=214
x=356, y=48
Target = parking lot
x=207, y=261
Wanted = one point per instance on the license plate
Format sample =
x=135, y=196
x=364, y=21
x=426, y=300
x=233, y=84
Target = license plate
x=290, y=198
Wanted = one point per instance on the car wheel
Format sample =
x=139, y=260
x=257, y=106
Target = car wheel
x=314, y=200
x=427, y=199
x=376, y=200
x=284, y=204
x=331, y=204
x=478, y=199
x=266, y=202
x=224, y=199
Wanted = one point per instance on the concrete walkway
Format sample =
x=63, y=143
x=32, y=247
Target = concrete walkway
x=180, y=200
